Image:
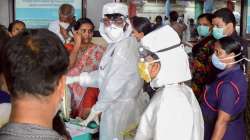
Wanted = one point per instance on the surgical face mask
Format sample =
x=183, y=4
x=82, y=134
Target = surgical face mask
x=220, y=65
x=218, y=33
x=64, y=25
x=203, y=30
x=114, y=32
x=217, y=63
x=143, y=70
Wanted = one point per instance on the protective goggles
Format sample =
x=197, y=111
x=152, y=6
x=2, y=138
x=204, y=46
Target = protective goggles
x=118, y=21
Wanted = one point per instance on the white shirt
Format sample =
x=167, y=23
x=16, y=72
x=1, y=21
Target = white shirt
x=55, y=28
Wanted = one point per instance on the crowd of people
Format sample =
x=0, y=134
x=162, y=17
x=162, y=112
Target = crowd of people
x=139, y=79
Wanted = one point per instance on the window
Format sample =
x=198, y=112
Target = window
x=30, y=11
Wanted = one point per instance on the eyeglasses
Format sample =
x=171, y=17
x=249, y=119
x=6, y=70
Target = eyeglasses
x=117, y=21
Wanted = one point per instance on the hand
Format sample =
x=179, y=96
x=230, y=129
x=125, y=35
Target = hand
x=82, y=78
x=93, y=116
x=72, y=79
x=77, y=39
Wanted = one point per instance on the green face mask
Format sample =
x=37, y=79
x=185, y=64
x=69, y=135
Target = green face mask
x=218, y=33
x=203, y=30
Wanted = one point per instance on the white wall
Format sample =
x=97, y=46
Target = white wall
x=94, y=10
x=6, y=14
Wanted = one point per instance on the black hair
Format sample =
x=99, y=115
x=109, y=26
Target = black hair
x=229, y=45
x=173, y=15
x=158, y=18
x=191, y=21
x=4, y=37
x=208, y=16
x=114, y=15
x=145, y=53
x=142, y=24
x=165, y=18
x=81, y=21
x=34, y=62
x=226, y=15
x=11, y=25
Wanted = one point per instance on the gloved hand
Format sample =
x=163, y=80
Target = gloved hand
x=82, y=78
x=93, y=116
x=72, y=79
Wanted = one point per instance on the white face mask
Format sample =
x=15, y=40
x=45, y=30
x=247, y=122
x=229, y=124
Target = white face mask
x=64, y=25
x=114, y=32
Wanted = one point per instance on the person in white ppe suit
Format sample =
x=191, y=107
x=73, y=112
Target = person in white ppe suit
x=173, y=112
x=119, y=101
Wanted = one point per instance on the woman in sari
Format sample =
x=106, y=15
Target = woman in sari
x=84, y=57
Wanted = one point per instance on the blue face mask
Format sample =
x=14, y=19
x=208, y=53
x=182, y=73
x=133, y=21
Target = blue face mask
x=218, y=33
x=203, y=30
x=217, y=63
x=220, y=65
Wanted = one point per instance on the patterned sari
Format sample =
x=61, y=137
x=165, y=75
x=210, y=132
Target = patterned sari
x=87, y=60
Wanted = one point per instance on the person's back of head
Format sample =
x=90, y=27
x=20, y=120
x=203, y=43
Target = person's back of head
x=158, y=19
x=173, y=15
x=16, y=27
x=142, y=24
x=226, y=15
x=165, y=18
x=191, y=21
x=34, y=62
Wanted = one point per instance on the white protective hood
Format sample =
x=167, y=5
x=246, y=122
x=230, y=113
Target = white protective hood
x=111, y=8
x=174, y=62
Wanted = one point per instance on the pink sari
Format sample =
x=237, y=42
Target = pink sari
x=87, y=60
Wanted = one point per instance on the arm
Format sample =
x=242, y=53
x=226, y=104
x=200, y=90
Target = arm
x=221, y=125
x=89, y=79
x=85, y=79
x=73, y=54
x=227, y=99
